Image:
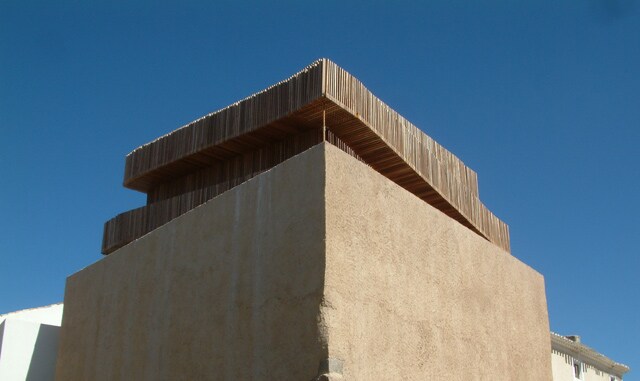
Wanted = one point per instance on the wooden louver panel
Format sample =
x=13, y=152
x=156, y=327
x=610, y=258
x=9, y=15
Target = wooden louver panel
x=189, y=166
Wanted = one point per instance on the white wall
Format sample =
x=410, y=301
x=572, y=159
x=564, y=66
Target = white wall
x=29, y=344
x=562, y=368
x=51, y=315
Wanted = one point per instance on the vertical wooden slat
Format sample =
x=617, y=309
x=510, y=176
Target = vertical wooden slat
x=218, y=151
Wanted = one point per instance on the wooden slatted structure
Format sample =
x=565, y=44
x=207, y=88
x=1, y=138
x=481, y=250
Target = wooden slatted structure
x=323, y=102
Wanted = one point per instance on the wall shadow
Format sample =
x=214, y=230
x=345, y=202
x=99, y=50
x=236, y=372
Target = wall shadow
x=43, y=360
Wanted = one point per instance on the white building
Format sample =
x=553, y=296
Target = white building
x=29, y=343
x=571, y=360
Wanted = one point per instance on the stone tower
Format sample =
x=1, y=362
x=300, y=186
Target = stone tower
x=306, y=232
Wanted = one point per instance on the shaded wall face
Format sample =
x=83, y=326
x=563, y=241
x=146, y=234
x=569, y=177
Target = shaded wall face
x=228, y=291
x=412, y=295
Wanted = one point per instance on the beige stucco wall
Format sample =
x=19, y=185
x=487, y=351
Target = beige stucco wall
x=411, y=294
x=319, y=257
x=229, y=291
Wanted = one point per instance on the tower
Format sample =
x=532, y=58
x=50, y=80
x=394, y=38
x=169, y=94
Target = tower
x=307, y=231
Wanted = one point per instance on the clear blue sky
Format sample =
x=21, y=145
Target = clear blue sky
x=541, y=98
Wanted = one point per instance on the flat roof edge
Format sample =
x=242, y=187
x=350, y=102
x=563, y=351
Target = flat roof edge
x=257, y=110
x=284, y=107
x=565, y=345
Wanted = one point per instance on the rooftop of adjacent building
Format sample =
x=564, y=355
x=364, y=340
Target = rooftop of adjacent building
x=572, y=345
x=50, y=315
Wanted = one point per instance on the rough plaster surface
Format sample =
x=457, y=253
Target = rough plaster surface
x=411, y=294
x=228, y=291
x=319, y=258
